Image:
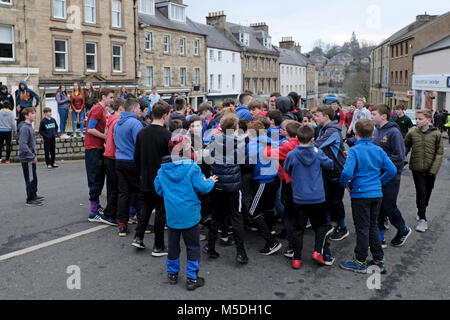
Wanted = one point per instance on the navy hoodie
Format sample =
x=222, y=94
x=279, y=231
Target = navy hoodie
x=390, y=138
x=24, y=99
x=125, y=134
x=304, y=165
x=48, y=129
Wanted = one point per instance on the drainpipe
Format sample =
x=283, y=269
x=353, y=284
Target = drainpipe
x=26, y=40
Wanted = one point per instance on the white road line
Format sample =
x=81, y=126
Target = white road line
x=50, y=243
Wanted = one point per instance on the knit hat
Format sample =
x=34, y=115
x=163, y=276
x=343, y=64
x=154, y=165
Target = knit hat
x=283, y=104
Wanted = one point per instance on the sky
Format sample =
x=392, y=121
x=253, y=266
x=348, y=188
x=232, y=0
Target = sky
x=330, y=21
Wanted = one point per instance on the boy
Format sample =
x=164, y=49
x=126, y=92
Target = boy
x=27, y=156
x=7, y=127
x=387, y=136
x=256, y=108
x=331, y=143
x=180, y=109
x=403, y=121
x=275, y=126
x=360, y=112
x=48, y=129
x=427, y=150
x=304, y=165
x=179, y=181
x=362, y=168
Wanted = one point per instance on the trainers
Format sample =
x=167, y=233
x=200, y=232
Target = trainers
x=138, y=243
x=328, y=259
x=400, y=238
x=109, y=221
x=123, y=230
x=208, y=220
x=173, y=278
x=226, y=242
x=133, y=220
x=289, y=253
x=212, y=254
x=317, y=257
x=252, y=228
x=386, y=223
x=49, y=167
x=354, y=265
x=202, y=237
x=39, y=198
x=96, y=217
x=159, y=252
x=339, y=234
x=33, y=203
x=230, y=230
x=100, y=209
x=271, y=248
x=242, y=258
x=296, y=264
x=380, y=265
x=55, y=165
x=422, y=226
x=149, y=229
x=308, y=224
x=192, y=284
x=384, y=244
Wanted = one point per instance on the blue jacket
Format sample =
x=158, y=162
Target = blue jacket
x=363, y=167
x=276, y=138
x=304, y=165
x=180, y=183
x=24, y=99
x=243, y=113
x=264, y=170
x=125, y=134
x=390, y=138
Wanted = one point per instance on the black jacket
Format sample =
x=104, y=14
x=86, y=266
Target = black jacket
x=48, y=129
x=6, y=97
x=178, y=116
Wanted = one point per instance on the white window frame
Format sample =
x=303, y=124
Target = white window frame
x=115, y=14
x=183, y=77
x=233, y=57
x=66, y=54
x=149, y=77
x=147, y=9
x=172, y=7
x=197, y=76
x=90, y=54
x=211, y=55
x=247, y=63
x=233, y=81
x=166, y=44
x=9, y=3
x=148, y=41
x=64, y=2
x=211, y=81
x=219, y=82
x=196, y=47
x=12, y=44
x=219, y=55
x=117, y=56
x=244, y=38
x=166, y=77
x=268, y=65
x=87, y=8
x=182, y=46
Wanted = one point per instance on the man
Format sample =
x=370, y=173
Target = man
x=180, y=109
x=273, y=98
x=242, y=110
x=340, y=115
x=24, y=99
x=361, y=112
x=152, y=144
x=439, y=120
x=5, y=96
x=94, y=149
x=403, y=121
x=153, y=99
x=125, y=134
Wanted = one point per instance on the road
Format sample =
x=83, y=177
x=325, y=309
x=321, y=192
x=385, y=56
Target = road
x=110, y=268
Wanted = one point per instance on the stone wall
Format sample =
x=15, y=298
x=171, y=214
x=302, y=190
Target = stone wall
x=66, y=149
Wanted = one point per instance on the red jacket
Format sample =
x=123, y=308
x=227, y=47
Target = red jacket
x=348, y=119
x=281, y=154
x=77, y=102
x=110, y=150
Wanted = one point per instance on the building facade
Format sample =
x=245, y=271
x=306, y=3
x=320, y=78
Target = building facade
x=292, y=68
x=172, y=52
x=312, y=85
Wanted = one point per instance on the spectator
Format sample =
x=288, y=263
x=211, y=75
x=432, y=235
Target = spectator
x=91, y=97
x=349, y=118
x=439, y=120
x=63, y=101
x=24, y=98
x=403, y=121
x=361, y=112
x=273, y=98
x=154, y=98
x=6, y=96
x=48, y=129
x=7, y=127
x=77, y=103
x=340, y=115
x=123, y=92
x=180, y=109
x=242, y=110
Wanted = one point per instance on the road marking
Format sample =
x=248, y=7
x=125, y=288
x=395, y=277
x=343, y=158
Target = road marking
x=50, y=243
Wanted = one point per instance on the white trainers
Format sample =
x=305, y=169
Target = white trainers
x=65, y=136
x=422, y=226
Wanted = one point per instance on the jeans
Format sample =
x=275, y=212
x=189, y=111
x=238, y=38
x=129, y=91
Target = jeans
x=95, y=171
x=75, y=116
x=365, y=216
x=278, y=203
x=151, y=201
x=5, y=137
x=63, y=115
x=128, y=184
x=49, y=150
x=111, y=188
x=389, y=205
x=31, y=182
x=424, y=183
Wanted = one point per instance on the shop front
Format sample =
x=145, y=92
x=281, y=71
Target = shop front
x=431, y=91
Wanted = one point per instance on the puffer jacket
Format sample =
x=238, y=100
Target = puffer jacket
x=427, y=150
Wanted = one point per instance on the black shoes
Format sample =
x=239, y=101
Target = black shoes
x=212, y=254
x=192, y=284
x=400, y=238
x=138, y=243
x=173, y=278
x=271, y=248
x=242, y=258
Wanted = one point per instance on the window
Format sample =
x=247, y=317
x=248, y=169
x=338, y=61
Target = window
x=146, y=6
x=197, y=76
x=183, y=77
x=267, y=42
x=396, y=50
x=247, y=62
x=90, y=11
x=116, y=13
x=247, y=84
x=274, y=65
x=197, y=47
x=268, y=65
x=406, y=48
x=233, y=57
x=211, y=81
x=117, y=58
x=255, y=64
x=262, y=64
x=149, y=77
x=219, y=82
x=244, y=39
x=262, y=85
x=59, y=9
x=61, y=55
x=166, y=44
x=183, y=46
x=6, y=2
x=166, y=77
x=282, y=70
x=255, y=85
x=6, y=43
x=148, y=41
x=233, y=81
x=91, y=57
x=219, y=55
x=406, y=76
x=401, y=48
x=211, y=55
x=177, y=13
x=401, y=77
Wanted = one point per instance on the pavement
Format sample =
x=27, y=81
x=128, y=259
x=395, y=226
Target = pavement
x=110, y=268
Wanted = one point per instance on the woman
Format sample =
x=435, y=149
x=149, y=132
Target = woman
x=78, y=103
x=63, y=101
x=123, y=92
x=91, y=97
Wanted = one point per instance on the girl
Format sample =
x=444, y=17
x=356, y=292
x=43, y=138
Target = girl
x=78, y=103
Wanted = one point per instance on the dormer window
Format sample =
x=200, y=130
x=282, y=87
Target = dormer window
x=267, y=42
x=177, y=12
x=244, y=38
x=147, y=6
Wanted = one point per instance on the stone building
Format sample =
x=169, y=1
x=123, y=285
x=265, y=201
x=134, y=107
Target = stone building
x=259, y=58
x=312, y=85
x=172, y=52
x=292, y=68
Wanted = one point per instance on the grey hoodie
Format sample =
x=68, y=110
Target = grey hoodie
x=7, y=121
x=27, y=142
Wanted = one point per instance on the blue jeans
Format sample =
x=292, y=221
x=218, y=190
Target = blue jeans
x=74, y=121
x=63, y=115
x=278, y=204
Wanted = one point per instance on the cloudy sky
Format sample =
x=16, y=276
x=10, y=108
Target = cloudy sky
x=331, y=21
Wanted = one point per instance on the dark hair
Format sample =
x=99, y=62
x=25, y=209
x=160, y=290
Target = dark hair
x=295, y=98
x=383, y=109
x=292, y=128
x=105, y=92
x=205, y=106
x=179, y=103
x=118, y=102
x=175, y=124
x=243, y=124
x=308, y=115
x=275, y=94
x=143, y=104
x=275, y=115
x=7, y=104
x=249, y=92
x=364, y=128
x=160, y=109
x=400, y=106
x=47, y=110
x=194, y=119
x=130, y=96
x=229, y=122
x=326, y=110
x=243, y=97
x=264, y=120
x=255, y=104
x=228, y=102
x=27, y=111
x=255, y=125
x=130, y=104
x=305, y=134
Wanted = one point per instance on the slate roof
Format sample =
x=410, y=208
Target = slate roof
x=216, y=39
x=254, y=37
x=444, y=43
x=291, y=57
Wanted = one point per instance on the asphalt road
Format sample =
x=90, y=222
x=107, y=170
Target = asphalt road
x=110, y=268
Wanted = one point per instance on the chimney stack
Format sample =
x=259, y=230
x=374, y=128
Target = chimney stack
x=217, y=19
x=260, y=26
x=287, y=43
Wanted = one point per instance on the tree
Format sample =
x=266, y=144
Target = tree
x=357, y=84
